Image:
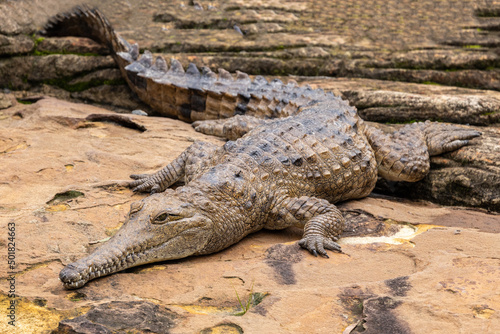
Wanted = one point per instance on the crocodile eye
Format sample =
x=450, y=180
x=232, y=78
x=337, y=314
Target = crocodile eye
x=162, y=218
x=165, y=217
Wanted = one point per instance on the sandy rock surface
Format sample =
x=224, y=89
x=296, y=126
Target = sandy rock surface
x=408, y=267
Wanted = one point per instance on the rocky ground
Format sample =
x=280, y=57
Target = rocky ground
x=410, y=266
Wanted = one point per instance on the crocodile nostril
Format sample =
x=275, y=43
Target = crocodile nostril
x=69, y=274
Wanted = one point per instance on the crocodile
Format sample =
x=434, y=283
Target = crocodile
x=294, y=152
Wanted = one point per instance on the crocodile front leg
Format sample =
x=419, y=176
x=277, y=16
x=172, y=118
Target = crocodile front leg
x=322, y=222
x=187, y=164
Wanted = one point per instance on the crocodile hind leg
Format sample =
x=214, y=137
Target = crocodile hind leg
x=322, y=222
x=229, y=128
x=404, y=154
x=186, y=164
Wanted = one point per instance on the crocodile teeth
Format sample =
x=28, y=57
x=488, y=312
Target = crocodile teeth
x=276, y=83
x=192, y=70
x=176, y=67
x=146, y=59
x=134, y=51
x=126, y=56
x=242, y=76
x=135, y=67
x=161, y=64
x=260, y=80
x=152, y=73
x=206, y=72
x=225, y=75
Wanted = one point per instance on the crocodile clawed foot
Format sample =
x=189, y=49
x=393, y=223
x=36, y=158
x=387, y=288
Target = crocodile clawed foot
x=209, y=127
x=143, y=183
x=139, y=176
x=442, y=137
x=318, y=245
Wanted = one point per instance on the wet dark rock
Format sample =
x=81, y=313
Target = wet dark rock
x=379, y=317
x=281, y=258
x=120, y=316
x=399, y=286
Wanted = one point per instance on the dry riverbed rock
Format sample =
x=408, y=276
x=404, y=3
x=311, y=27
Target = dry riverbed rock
x=408, y=267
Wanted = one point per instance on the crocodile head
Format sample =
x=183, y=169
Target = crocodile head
x=158, y=228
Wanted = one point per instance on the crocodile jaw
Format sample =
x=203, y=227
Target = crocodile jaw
x=102, y=262
x=139, y=241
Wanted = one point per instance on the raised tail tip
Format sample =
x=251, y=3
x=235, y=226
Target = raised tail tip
x=59, y=24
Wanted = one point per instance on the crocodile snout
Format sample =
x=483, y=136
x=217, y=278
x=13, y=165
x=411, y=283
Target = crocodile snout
x=71, y=277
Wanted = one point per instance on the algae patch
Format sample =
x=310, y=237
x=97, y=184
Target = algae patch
x=59, y=201
x=33, y=317
x=254, y=299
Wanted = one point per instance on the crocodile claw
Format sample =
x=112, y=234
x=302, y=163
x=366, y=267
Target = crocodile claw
x=318, y=245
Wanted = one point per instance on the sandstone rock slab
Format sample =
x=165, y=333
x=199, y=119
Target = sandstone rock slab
x=407, y=265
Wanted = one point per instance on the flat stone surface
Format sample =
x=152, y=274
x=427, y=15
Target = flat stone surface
x=15, y=45
x=371, y=40
x=433, y=42
x=71, y=45
x=408, y=267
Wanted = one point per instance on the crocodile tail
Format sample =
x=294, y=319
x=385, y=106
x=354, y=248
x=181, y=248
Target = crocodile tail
x=192, y=94
x=84, y=21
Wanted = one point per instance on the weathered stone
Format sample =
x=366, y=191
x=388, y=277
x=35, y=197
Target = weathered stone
x=14, y=72
x=62, y=66
x=464, y=78
x=115, y=95
x=387, y=106
x=119, y=316
x=39, y=160
x=309, y=52
x=342, y=84
x=76, y=45
x=106, y=75
x=15, y=20
x=262, y=27
x=6, y=100
x=15, y=45
x=19, y=72
x=443, y=60
x=189, y=18
x=41, y=91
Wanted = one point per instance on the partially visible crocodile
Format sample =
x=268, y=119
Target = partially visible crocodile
x=191, y=94
x=284, y=172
